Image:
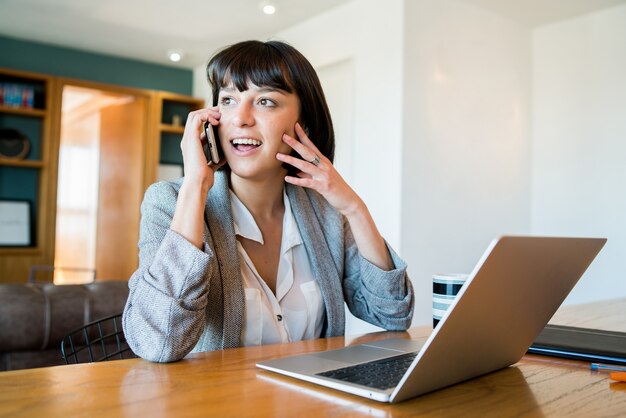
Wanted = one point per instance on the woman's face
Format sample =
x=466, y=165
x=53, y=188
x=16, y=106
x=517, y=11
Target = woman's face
x=251, y=129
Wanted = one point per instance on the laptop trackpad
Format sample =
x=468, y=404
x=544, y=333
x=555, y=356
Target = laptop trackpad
x=356, y=354
x=400, y=344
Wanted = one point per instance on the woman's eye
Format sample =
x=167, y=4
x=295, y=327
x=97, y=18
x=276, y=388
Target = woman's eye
x=267, y=102
x=226, y=100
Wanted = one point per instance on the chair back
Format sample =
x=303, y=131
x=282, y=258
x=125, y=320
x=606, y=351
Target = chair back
x=100, y=340
x=61, y=275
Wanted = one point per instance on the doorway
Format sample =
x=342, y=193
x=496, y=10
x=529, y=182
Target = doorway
x=100, y=184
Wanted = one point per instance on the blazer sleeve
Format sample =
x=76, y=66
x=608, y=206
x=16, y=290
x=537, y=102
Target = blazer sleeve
x=164, y=315
x=383, y=298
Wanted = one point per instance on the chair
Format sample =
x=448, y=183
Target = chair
x=100, y=340
x=61, y=275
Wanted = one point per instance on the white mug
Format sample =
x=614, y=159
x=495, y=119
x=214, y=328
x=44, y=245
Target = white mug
x=445, y=288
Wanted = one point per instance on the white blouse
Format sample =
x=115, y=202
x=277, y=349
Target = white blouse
x=296, y=312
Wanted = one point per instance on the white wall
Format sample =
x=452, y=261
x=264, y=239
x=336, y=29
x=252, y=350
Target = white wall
x=346, y=34
x=442, y=88
x=369, y=37
x=579, y=141
x=442, y=91
x=440, y=125
x=343, y=40
x=338, y=83
x=466, y=122
x=200, y=84
x=357, y=50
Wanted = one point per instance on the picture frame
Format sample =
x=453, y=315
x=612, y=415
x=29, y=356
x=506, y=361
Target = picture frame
x=15, y=223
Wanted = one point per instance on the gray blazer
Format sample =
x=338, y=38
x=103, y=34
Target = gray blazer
x=183, y=299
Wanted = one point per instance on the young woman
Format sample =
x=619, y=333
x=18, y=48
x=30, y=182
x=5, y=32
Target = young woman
x=265, y=246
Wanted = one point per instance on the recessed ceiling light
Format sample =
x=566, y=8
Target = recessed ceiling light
x=175, y=56
x=269, y=9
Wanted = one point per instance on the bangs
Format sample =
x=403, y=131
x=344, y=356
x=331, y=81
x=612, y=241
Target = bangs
x=251, y=63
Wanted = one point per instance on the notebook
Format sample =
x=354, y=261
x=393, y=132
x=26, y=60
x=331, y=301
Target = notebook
x=515, y=288
x=581, y=344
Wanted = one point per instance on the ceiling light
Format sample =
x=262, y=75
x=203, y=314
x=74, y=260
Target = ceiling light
x=175, y=56
x=269, y=9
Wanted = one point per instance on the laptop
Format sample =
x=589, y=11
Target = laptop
x=509, y=297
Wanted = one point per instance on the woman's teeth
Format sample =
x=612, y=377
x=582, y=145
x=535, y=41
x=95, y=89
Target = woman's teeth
x=246, y=141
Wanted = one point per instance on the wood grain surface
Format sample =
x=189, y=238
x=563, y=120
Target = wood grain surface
x=227, y=384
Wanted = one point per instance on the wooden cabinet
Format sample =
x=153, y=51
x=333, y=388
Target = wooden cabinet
x=32, y=107
x=171, y=112
x=25, y=109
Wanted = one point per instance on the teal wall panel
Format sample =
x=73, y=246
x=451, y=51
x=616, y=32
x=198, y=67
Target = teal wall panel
x=22, y=183
x=73, y=63
x=170, y=149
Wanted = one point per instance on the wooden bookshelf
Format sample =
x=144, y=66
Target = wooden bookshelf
x=170, y=110
x=34, y=178
x=27, y=178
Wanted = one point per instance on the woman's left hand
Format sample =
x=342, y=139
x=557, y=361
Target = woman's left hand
x=318, y=173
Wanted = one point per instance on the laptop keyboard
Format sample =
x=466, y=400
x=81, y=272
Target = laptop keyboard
x=380, y=374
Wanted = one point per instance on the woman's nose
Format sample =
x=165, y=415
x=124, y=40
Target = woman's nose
x=243, y=115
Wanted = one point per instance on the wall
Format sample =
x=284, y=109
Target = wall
x=440, y=126
x=465, y=176
x=344, y=35
x=72, y=63
x=366, y=65
x=449, y=84
x=446, y=89
x=578, y=141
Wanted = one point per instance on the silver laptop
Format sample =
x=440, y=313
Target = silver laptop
x=509, y=297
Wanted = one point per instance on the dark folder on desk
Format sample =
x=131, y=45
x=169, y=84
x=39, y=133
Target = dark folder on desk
x=581, y=344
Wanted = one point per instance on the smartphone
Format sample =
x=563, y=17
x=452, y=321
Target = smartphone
x=211, y=148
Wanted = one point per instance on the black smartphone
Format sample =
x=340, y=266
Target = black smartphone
x=212, y=149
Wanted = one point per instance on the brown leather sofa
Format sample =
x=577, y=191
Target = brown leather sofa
x=34, y=317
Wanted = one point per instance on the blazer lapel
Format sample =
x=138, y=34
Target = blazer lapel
x=322, y=261
x=227, y=277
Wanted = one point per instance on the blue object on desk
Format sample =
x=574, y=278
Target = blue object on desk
x=599, y=367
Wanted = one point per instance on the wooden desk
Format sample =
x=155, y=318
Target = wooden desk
x=227, y=384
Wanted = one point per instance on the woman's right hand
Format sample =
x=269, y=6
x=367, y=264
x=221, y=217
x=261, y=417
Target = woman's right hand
x=197, y=169
x=188, y=219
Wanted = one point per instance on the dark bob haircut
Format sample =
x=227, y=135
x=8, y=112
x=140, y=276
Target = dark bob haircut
x=276, y=65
